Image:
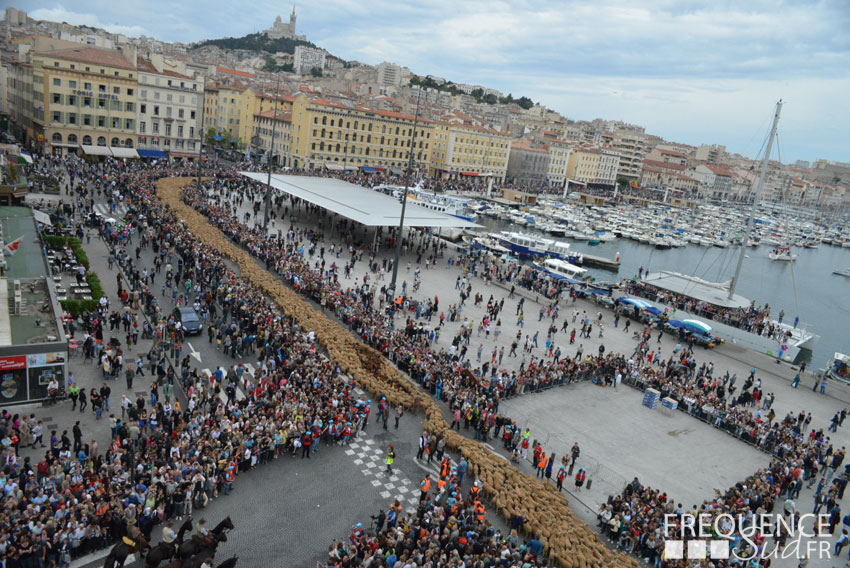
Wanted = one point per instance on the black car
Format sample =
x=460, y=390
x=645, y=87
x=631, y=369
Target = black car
x=189, y=319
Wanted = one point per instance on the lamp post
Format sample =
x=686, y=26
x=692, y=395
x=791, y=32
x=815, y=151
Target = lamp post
x=404, y=196
x=271, y=158
x=201, y=148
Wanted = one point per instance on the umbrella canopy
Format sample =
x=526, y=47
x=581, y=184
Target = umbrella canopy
x=697, y=326
x=652, y=310
x=640, y=304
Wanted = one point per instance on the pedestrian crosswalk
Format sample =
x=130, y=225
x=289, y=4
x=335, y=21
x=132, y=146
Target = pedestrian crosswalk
x=103, y=209
x=249, y=378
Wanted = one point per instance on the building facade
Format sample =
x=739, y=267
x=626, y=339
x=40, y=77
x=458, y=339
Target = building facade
x=466, y=150
x=335, y=135
x=169, y=111
x=306, y=59
x=273, y=134
x=632, y=148
x=527, y=165
x=88, y=97
x=559, y=159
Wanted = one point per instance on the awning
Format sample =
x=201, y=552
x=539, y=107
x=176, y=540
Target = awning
x=396, y=171
x=123, y=152
x=368, y=169
x=24, y=157
x=96, y=150
x=468, y=174
x=64, y=144
x=41, y=217
x=151, y=153
x=334, y=167
x=184, y=155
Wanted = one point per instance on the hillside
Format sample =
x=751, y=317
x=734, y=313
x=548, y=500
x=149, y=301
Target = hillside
x=257, y=43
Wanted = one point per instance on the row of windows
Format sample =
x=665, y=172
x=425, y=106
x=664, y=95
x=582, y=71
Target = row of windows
x=87, y=140
x=353, y=150
x=367, y=139
x=90, y=102
x=88, y=69
x=143, y=95
x=179, y=144
x=367, y=127
x=169, y=83
x=72, y=84
x=168, y=130
x=143, y=109
x=73, y=119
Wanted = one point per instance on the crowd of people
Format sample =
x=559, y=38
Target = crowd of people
x=164, y=459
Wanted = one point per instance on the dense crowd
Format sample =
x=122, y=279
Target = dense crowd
x=164, y=459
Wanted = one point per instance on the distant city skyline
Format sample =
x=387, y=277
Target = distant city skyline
x=690, y=72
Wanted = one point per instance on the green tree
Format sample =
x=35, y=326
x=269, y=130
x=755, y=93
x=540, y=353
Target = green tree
x=525, y=102
x=316, y=71
x=490, y=99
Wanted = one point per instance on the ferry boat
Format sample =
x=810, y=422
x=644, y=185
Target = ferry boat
x=454, y=206
x=533, y=246
x=561, y=269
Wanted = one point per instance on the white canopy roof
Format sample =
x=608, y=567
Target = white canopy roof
x=123, y=152
x=357, y=203
x=41, y=217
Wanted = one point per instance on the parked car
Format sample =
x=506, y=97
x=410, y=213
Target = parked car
x=189, y=319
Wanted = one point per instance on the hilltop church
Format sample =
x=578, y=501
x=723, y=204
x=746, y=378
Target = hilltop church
x=280, y=30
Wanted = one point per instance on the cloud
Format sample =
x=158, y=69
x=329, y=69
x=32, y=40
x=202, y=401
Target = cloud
x=60, y=14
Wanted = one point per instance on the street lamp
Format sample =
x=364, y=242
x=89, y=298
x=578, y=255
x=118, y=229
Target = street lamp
x=404, y=196
x=271, y=158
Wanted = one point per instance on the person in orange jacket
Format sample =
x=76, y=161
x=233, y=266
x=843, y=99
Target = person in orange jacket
x=425, y=486
x=562, y=473
x=541, y=464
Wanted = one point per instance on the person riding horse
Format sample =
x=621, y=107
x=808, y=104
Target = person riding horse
x=167, y=548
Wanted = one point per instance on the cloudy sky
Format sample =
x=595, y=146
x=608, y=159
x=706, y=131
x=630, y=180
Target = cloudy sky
x=694, y=72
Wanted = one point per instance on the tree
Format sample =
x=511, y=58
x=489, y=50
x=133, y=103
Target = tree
x=525, y=103
x=478, y=94
x=316, y=71
x=490, y=99
x=209, y=138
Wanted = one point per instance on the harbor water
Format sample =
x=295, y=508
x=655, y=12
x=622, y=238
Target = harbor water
x=823, y=297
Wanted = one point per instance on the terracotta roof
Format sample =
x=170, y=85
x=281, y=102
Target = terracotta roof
x=718, y=171
x=234, y=72
x=672, y=153
x=524, y=145
x=665, y=165
x=106, y=57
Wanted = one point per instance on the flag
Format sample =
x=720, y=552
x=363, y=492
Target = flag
x=13, y=247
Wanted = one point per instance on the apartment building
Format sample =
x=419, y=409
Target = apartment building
x=270, y=125
x=469, y=150
x=169, y=110
x=527, y=165
x=84, y=97
x=337, y=135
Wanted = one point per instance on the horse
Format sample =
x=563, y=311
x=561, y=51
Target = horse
x=166, y=550
x=119, y=553
x=194, y=545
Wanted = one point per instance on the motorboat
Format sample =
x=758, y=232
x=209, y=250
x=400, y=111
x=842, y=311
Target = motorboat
x=561, y=269
x=845, y=272
x=782, y=253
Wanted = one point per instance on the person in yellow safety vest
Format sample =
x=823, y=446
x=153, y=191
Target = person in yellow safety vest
x=425, y=486
x=479, y=511
x=390, y=459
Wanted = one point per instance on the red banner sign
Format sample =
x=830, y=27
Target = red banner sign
x=16, y=362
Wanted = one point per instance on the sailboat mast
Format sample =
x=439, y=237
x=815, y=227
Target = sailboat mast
x=759, y=187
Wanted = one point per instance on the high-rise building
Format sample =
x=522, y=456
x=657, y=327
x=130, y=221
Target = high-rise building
x=307, y=58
